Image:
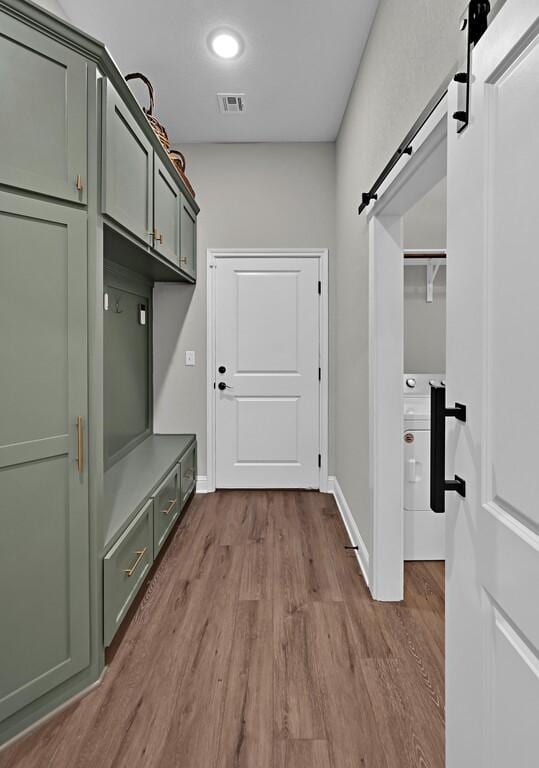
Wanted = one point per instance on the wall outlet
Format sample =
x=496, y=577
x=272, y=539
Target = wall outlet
x=190, y=358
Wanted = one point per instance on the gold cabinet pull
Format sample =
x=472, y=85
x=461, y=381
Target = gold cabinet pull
x=140, y=554
x=78, y=182
x=183, y=260
x=172, y=504
x=158, y=238
x=80, y=444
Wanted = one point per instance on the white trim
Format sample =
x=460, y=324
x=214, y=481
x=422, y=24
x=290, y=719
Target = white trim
x=307, y=253
x=202, y=484
x=56, y=711
x=362, y=553
x=405, y=186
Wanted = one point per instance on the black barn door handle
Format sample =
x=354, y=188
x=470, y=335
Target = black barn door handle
x=438, y=414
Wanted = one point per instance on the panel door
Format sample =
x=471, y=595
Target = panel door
x=166, y=213
x=43, y=118
x=492, y=614
x=188, y=227
x=44, y=586
x=267, y=396
x=127, y=168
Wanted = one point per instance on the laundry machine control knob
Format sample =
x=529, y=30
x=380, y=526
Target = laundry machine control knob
x=410, y=383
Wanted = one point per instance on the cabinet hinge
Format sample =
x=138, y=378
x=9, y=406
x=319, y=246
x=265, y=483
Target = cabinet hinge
x=319, y=288
x=319, y=460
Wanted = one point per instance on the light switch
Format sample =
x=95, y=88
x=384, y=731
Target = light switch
x=190, y=357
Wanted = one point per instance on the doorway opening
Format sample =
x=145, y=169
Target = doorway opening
x=407, y=352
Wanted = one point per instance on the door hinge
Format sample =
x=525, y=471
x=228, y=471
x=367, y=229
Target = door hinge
x=319, y=374
x=319, y=459
x=319, y=288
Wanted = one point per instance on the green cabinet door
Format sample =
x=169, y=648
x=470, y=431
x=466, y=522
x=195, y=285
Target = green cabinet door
x=166, y=202
x=43, y=119
x=188, y=229
x=127, y=168
x=44, y=544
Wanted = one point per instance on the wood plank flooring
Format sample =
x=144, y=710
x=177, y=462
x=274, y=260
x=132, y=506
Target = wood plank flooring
x=257, y=645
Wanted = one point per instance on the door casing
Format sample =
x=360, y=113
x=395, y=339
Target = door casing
x=402, y=189
x=213, y=255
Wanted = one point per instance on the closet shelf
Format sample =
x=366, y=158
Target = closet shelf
x=432, y=260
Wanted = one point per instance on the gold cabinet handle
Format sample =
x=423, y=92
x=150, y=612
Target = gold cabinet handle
x=158, y=238
x=78, y=182
x=172, y=504
x=80, y=444
x=140, y=554
x=183, y=260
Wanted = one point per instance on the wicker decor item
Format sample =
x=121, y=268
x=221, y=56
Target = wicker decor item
x=179, y=163
x=158, y=129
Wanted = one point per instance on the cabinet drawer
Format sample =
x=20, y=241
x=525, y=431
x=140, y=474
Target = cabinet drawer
x=125, y=567
x=166, y=509
x=188, y=473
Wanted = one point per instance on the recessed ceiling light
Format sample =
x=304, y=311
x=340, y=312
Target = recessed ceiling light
x=226, y=44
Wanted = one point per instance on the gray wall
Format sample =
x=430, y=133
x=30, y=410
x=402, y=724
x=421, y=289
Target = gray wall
x=411, y=49
x=424, y=227
x=54, y=7
x=251, y=195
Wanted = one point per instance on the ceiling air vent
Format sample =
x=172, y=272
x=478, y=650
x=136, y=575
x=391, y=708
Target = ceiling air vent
x=231, y=103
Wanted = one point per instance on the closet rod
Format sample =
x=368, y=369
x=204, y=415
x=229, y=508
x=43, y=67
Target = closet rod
x=404, y=147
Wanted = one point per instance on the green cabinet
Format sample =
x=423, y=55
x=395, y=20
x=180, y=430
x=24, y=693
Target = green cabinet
x=125, y=567
x=188, y=473
x=188, y=229
x=44, y=542
x=127, y=167
x=43, y=120
x=166, y=213
x=166, y=508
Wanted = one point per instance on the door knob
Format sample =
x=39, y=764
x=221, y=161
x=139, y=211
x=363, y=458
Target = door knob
x=222, y=369
x=222, y=386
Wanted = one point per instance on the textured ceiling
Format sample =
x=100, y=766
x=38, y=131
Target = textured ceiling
x=298, y=66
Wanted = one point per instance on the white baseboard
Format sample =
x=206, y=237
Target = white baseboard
x=350, y=524
x=202, y=484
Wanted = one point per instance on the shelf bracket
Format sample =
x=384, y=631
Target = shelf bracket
x=432, y=271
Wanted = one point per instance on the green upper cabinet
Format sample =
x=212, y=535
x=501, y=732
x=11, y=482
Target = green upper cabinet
x=43, y=120
x=127, y=168
x=166, y=213
x=44, y=541
x=188, y=230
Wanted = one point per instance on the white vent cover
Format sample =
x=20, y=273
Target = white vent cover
x=231, y=103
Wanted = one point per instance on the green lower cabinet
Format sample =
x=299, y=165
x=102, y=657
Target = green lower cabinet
x=188, y=473
x=125, y=567
x=44, y=512
x=166, y=505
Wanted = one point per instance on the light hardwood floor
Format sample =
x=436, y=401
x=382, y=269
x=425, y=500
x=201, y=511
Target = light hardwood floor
x=256, y=645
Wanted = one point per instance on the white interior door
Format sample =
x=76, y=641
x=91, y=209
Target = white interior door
x=493, y=368
x=267, y=357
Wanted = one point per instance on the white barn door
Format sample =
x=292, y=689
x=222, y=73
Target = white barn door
x=267, y=372
x=493, y=368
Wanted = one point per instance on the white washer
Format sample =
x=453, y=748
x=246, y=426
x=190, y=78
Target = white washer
x=424, y=530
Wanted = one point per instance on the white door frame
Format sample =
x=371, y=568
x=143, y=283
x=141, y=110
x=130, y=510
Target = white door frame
x=415, y=176
x=213, y=255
